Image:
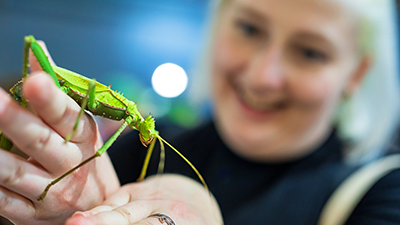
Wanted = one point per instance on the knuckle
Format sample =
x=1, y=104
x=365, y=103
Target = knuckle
x=40, y=141
x=87, y=129
x=85, y=123
x=126, y=214
x=82, y=128
x=111, y=205
x=5, y=201
x=15, y=176
x=65, y=118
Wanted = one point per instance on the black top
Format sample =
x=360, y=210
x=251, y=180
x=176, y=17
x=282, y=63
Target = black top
x=262, y=193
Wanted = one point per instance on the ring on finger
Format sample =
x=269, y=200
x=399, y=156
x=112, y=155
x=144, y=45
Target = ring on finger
x=163, y=218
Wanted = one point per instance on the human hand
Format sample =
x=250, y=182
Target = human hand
x=41, y=137
x=182, y=199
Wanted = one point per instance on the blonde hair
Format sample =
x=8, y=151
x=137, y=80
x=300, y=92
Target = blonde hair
x=366, y=121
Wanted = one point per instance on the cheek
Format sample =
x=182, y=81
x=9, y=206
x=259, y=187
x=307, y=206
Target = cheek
x=229, y=54
x=315, y=89
x=311, y=91
x=223, y=61
x=229, y=60
x=315, y=99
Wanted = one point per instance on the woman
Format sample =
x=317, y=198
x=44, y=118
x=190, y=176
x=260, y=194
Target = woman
x=289, y=83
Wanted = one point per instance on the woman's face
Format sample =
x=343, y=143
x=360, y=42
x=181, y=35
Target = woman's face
x=279, y=69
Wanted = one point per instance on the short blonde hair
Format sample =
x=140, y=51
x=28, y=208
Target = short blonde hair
x=367, y=120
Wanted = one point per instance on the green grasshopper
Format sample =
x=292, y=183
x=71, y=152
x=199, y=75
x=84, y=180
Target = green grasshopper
x=98, y=99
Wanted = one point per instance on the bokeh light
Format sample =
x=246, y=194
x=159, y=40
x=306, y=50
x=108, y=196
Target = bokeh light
x=169, y=80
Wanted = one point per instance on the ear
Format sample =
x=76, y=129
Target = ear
x=358, y=75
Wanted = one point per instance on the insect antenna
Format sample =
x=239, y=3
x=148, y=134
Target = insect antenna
x=186, y=160
x=162, y=160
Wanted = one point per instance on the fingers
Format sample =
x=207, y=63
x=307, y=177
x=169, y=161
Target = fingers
x=176, y=202
x=118, y=209
x=16, y=207
x=120, y=198
x=23, y=178
x=35, y=138
x=127, y=214
x=57, y=109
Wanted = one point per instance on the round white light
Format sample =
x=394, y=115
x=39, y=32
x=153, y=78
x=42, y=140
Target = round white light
x=169, y=80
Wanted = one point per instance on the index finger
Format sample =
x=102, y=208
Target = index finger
x=35, y=138
x=34, y=64
x=57, y=109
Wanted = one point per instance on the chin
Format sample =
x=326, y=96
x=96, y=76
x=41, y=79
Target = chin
x=258, y=141
x=246, y=138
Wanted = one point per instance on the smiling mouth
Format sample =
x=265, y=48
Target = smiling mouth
x=259, y=104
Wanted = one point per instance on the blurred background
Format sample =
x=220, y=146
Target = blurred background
x=118, y=42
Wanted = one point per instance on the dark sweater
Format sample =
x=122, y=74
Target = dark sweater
x=262, y=193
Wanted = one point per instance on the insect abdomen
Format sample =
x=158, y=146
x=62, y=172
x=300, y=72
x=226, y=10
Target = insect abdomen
x=101, y=109
x=109, y=112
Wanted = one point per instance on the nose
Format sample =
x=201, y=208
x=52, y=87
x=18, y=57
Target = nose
x=266, y=70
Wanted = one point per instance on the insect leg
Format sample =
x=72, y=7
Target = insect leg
x=89, y=96
x=98, y=153
x=30, y=42
x=25, y=66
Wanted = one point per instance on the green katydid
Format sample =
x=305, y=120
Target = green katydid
x=98, y=99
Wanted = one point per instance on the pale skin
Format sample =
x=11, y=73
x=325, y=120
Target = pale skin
x=184, y=200
x=279, y=70
x=275, y=93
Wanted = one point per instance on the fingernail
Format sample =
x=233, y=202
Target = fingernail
x=77, y=220
x=79, y=213
x=3, y=93
x=36, y=73
x=3, y=99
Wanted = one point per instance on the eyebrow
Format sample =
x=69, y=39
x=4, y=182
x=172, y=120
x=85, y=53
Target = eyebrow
x=316, y=38
x=250, y=12
x=304, y=34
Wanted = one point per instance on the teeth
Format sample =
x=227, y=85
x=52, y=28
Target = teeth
x=258, y=104
x=262, y=103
